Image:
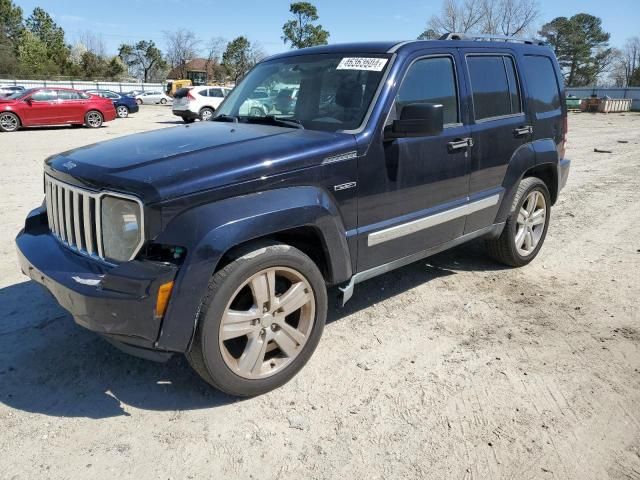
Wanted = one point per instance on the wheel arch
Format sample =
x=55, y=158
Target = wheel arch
x=304, y=217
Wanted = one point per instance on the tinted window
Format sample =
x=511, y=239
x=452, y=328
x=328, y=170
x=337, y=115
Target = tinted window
x=431, y=80
x=68, y=95
x=183, y=92
x=514, y=88
x=215, y=92
x=490, y=87
x=44, y=96
x=541, y=81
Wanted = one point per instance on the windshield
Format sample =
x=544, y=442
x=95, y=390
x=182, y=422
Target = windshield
x=326, y=92
x=20, y=94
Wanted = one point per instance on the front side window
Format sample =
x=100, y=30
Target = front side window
x=431, y=80
x=327, y=92
x=44, y=96
x=541, y=82
x=494, y=86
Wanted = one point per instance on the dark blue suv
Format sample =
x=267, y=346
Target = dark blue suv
x=218, y=240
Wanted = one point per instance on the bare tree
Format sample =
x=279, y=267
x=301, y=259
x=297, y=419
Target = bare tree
x=214, y=49
x=460, y=16
x=93, y=42
x=497, y=17
x=631, y=58
x=182, y=46
x=508, y=17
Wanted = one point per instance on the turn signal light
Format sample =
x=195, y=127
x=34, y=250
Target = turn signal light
x=164, y=293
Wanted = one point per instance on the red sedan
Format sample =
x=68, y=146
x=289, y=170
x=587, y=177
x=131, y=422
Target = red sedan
x=54, y=106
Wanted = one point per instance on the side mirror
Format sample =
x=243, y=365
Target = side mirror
x=417, y=120
x=28, y=100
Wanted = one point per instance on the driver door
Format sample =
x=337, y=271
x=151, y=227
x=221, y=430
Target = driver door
x=411, y=189
x=41, y=108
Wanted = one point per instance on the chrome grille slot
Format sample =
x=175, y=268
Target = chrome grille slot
x=74, y=216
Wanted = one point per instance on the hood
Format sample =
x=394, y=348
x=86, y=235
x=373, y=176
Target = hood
x=172, y=162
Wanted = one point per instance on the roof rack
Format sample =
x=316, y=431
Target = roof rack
x=490, y=38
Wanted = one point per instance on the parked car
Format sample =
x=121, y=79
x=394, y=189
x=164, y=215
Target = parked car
x=198, y=102
x=6, y=90
x=54, y=106
x=123, y=104
x=258, y=104
x=153, y=97
x=218, y=240
x=285, y=100
x=133, y=93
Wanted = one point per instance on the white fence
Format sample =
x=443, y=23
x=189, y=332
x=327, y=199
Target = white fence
x=84, y=85
x=585, y=92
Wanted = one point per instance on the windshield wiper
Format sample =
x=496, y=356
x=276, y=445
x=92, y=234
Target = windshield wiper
x=225, y=118
x=288, y=122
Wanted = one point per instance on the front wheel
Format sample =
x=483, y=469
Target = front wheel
x=139, y=101
x=163, y=101
x=261, y=320
x=526, y=227
x=93, y=119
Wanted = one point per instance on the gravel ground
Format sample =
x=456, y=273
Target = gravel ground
x=453, y=367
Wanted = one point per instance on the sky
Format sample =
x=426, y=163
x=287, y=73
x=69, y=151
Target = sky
x=126, y=21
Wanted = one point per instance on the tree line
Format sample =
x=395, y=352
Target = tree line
x=580, y=42
x=36, y=45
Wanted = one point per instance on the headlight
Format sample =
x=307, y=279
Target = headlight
x=121, y=228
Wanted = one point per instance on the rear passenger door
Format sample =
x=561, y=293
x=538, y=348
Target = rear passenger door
x=499, y=126
x=70, y=106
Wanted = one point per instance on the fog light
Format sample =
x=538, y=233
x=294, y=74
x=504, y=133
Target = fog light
x=164, y=293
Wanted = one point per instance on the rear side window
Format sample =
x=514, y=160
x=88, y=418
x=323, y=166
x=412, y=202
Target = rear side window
x=431, y=80
x=541, y=82
x=215, y=92
x=181, y=93
x=68, y=95
x=494, y=86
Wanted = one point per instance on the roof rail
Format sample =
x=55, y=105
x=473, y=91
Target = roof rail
x=490, y=38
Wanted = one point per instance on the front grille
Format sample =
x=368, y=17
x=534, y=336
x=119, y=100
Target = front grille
x=74, y=217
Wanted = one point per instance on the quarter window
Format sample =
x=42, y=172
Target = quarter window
x=431, y=80
x=494, y=86
x=542, y=84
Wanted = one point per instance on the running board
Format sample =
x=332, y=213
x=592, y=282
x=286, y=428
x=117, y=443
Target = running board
x=347, y=291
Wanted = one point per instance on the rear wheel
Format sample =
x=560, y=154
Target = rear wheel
x=93, y=119
x=526, y=227
x=9, y=122
x=261, y=320
x=163, y=101
x=206, y=114
x=122, y=111
x=139, y=101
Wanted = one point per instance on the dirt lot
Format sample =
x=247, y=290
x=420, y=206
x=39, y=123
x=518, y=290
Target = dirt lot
x=450, y=368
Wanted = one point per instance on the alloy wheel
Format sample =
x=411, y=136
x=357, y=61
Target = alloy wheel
x=267, y=322
x=8, y=122
x=122, y=111
x=94, y=119
x=531, y=221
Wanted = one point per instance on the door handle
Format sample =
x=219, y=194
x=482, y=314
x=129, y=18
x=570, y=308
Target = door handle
x=459, y=144
x=522, y=131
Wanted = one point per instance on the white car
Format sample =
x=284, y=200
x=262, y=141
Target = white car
x=198, y=102
x=153, y=97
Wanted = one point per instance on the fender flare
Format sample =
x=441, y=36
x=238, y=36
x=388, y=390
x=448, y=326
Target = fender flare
x=526, y=157
x=209, y=231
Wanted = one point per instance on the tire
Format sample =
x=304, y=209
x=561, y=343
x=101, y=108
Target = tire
x=256, y=112
x=9, y=122
x=188, y=120
x=206, y=114
x=163, y=101
x=139, y=101
x=223, y=363
x=122, y=111
x=506, y=248
x=93, y=119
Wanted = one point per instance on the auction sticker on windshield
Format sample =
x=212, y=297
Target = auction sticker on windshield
x=362, y=63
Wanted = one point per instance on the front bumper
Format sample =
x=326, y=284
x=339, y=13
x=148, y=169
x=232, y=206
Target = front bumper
x=117, y=302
